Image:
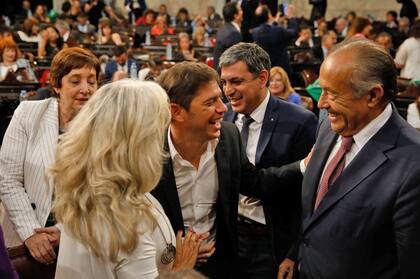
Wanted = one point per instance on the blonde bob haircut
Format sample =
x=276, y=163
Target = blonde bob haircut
x=110, y=156
x=288, y=89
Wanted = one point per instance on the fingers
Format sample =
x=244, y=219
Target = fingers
x=40, y=248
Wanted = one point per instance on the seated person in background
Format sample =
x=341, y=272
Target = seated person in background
x=328, y=41
x=111, y=226
x=408, y=54
x=163, y=11
x=341, y=27
x=198, y=36
x=305, y=37
x=361, y=28
x=185, y=50
x=402, y=33
x=214, y=20
x=161, y=27
x=50, y=43
x=83, y=25
x=30, y=31
x=391, y=20
x=41, y=14
x=107, y=36
x=183, y=20
x=280, y=86
x=148, y=18
x=121, y=62
x=384, y=39
x=413, y=114
x=10, y=61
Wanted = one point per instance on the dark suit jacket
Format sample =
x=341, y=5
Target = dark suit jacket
x=287, y=135
x=318, y=53
x=368, y=224
x=274, y=40
x=111, y=67
x=236, y=174
x=226, y=37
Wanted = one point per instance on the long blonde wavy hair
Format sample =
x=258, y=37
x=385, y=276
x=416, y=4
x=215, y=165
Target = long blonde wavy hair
x=110, y=156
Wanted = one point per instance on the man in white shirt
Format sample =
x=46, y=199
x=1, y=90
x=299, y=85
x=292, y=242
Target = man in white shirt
x=278, y=133
x=208, y=167
x=361, y=189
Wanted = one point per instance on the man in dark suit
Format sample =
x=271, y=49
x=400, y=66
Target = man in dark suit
x=274, y=39
x=280, y=133
x=230, y=33
x=120, y=63
x=328, y=41
x=208, y=167
x=361, y=189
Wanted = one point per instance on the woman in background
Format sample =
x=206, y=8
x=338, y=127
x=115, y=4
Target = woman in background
x=29, y=147
x=106, y=165
x=280, y=86
x=11, y=61
x=107, y=36
x=361, y=28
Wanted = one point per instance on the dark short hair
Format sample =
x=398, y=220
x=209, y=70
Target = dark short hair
x=118, y=50
x=263, y=16
x=394, y=14
x=254, y=56
x=69, y=59
x=415, y=29
x=229, y=11
x=182, y=81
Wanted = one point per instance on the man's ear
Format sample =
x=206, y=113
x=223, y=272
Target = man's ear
x=177, y=112
x=376, y=96
x=263, y=78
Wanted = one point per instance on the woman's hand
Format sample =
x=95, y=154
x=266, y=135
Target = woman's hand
x=186, y=250
x=41, y=244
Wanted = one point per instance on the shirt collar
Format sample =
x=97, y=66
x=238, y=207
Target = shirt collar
x=236, y=26
x=211, y=147
x=259, y=112
x=364, y=135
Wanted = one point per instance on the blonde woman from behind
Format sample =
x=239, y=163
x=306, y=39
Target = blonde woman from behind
x=106, y=164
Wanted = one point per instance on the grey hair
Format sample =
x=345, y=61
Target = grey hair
x=256, y=58
x=372, y=65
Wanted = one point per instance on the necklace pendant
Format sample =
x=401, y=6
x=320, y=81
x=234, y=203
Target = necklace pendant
x=168, y=255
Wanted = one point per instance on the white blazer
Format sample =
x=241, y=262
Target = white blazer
x=28, y=149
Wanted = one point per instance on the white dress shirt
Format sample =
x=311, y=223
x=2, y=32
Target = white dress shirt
x=197, y=188
x=250, y=207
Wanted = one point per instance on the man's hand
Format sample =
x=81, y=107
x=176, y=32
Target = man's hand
x=286, y=269
x=308, y=158
x=41, y=248
x=186, y=250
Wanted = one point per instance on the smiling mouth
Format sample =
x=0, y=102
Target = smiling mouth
x=217, y=122
x=235, y=100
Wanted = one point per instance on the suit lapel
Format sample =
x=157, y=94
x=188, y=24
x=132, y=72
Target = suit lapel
x=168, y=186
x=313, y=172
x=369, y=159
x=223, y=174
x=48, y=134
x=269, y=122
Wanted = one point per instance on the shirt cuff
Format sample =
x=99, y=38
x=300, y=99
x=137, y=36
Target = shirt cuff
x=302, y=167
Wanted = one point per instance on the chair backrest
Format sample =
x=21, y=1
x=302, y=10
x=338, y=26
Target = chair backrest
x=27, y=267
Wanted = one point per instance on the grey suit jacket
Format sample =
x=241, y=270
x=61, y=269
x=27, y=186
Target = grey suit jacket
x=28, y=148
